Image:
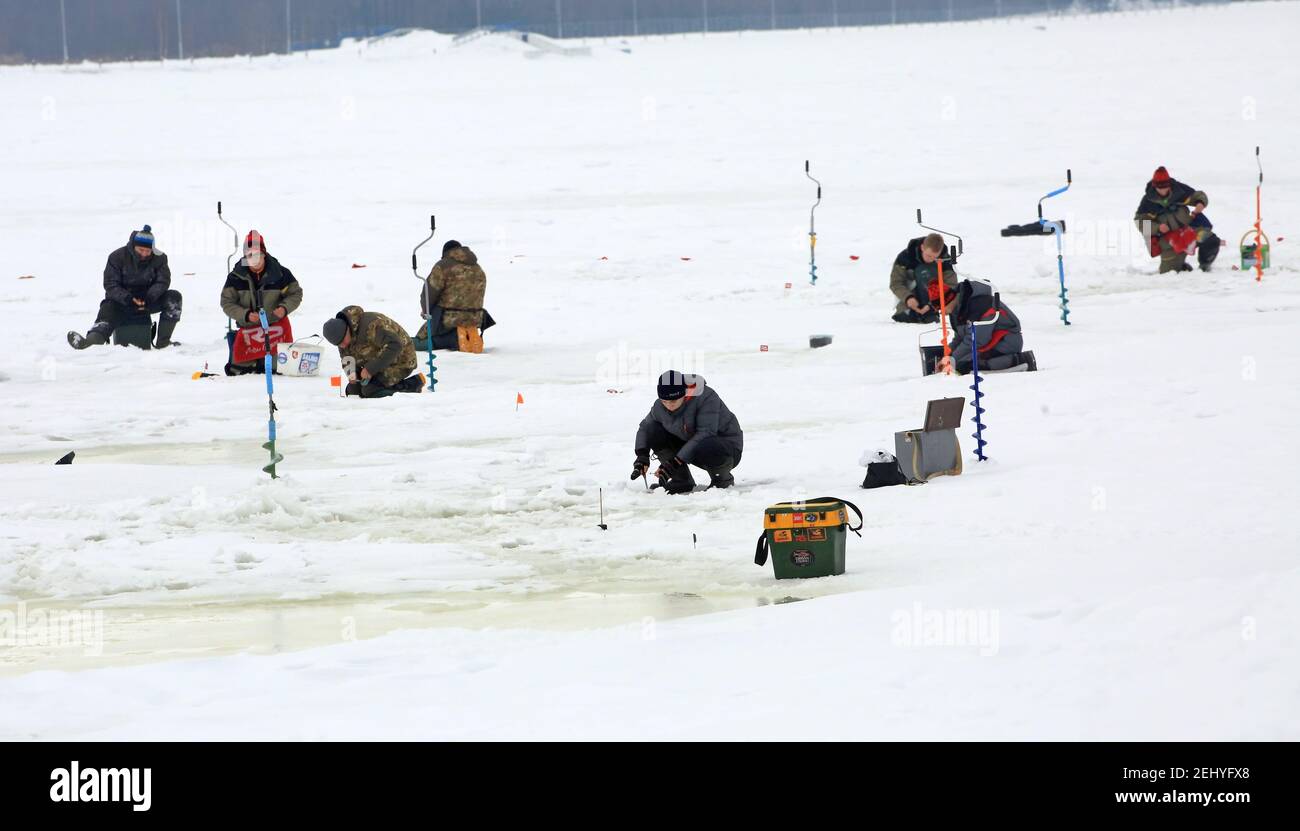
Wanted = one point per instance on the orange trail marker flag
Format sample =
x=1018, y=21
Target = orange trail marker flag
x=519, y=399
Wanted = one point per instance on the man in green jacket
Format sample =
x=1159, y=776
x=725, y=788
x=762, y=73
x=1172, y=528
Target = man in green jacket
x=914, y=279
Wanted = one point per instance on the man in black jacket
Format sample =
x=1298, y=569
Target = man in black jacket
x=688, y=425
x=137, y=281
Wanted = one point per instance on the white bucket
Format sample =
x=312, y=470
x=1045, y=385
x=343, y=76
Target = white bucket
x=302, y=357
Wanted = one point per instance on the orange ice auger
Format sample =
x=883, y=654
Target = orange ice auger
x=943, y=302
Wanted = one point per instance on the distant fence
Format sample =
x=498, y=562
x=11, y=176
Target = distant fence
x=50, y=31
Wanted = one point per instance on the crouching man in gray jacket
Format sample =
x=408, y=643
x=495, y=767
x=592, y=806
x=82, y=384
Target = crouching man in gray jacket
x=688, y=425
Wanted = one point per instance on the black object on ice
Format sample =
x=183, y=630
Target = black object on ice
x=818, y=341
x=67, y=459
x=1031, y=229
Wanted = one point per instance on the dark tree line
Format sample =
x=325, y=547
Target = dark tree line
x=32, y=30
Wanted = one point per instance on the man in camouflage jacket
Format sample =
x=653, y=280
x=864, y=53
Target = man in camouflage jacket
x=377, y=354
x=453, y=297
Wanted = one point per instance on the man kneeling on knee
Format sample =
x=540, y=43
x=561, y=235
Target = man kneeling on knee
x=998, y=332
x=377, y=354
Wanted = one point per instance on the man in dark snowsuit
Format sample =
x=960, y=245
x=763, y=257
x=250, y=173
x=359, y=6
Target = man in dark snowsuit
x=688, y=425
x=1170, y=213
x=914, y=279
x=137, y=281
x=1000, y=341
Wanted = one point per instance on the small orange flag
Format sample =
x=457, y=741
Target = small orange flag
x=519, y=398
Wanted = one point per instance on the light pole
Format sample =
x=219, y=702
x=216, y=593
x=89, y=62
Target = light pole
x=636, y=26
x=63, y=23
x=288, y=27
x=774, y=14
x=478, y=14
x=180, y=39
x=706, y=16
x=559, y=19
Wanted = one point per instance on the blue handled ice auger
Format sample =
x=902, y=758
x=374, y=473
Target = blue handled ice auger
x=812, y=228
x=978, y=435
x=269, y=366
x=1056, y=229
x=428, y=318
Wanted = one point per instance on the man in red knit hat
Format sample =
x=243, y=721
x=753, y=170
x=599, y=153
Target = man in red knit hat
x=1170, y=218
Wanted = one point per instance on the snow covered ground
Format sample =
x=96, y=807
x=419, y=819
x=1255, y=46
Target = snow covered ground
x=1125, y=565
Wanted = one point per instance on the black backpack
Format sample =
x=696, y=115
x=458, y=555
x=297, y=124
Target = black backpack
x=884, y=474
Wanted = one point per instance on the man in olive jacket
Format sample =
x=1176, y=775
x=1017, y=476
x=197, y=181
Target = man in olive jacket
x=377, y=353
x=914, y=279
x=258, y=282
x=688, y=425
x=137, y=281
x=1170, y=214
x=452, y=301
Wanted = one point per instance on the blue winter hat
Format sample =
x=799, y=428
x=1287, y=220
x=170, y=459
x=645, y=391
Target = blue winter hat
x=143, y=237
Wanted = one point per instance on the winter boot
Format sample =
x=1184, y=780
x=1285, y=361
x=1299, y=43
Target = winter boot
x=166, y=326
x=720, y=477
x=97, y=336
x=254, y=368
x=1207, y=251
x=1028, y=360
x=413, y=384
x=469, y=340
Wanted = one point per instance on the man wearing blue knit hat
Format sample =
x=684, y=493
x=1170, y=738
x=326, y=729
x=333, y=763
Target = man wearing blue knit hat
x=137, y=283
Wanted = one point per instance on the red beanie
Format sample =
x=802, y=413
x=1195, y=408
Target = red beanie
x=1161, y=176
x=255, y=242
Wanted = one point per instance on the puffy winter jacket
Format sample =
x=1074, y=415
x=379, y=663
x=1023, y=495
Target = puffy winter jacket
x=128, y=276
x=1173, y=210
x=378, y=344
x=909, y=269
x=457, y=284
x=975, y=302
x=246, y=292
x=702, y=415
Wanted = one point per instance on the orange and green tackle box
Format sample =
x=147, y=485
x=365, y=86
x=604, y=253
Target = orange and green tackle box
x=806, y=539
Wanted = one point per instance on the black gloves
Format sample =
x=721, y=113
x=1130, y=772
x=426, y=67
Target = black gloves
x=640, y=466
